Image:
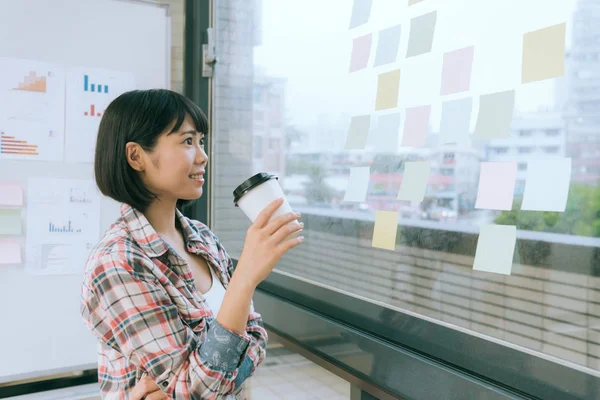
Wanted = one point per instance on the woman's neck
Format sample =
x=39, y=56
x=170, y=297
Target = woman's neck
x=162, y=216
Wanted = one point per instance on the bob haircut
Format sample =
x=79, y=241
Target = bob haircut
x=139, y=116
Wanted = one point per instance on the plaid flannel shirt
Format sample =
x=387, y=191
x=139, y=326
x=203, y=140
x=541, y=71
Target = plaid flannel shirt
x=140, y=301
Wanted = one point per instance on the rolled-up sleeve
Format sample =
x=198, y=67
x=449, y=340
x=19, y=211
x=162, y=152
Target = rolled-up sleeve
x=137, y=318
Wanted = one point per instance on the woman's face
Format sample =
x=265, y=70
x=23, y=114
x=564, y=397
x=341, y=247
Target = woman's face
x=175, y=168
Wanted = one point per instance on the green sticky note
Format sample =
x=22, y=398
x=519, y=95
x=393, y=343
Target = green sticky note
x=10, y=222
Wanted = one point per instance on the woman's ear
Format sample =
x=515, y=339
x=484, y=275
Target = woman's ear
x=135, y=156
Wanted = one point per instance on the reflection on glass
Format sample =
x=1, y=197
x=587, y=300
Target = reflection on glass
x=290, y=116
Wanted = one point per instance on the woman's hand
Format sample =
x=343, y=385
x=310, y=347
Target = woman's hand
x=148, y=390
x=265, y=243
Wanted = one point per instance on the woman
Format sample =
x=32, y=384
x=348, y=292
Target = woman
x=160, y=293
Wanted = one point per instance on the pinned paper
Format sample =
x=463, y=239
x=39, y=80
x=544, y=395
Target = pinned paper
x=416, y=126
x=358, y=184
x=388, y=43
x=388, y=85
x=456, y=121
x=358, y=132
x=547, y=185
x=10, y=252
x=11, y=193
x=386, y=229
x=496, y=185
x=10, y=222
x=361, y=12
x=387, y=132
x=414, y=180
x=544, y=53
x=422, y=30
x=411, y=2
x=495, y=115
x=361, y=49
x=495, y=249
x=456, y=71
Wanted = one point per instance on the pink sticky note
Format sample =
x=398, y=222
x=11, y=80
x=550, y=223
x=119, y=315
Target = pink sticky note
x=361, y=49
x=416, y=126
x=456, y=72
x=496, y=185
x=11, y=193
x=10, y=252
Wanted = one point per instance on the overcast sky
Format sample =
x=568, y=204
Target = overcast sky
x=309, y=43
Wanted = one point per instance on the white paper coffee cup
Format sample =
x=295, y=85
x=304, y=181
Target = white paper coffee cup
x=257, y=192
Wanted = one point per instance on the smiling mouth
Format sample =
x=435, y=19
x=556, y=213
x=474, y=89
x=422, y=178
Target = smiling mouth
x=197, y=177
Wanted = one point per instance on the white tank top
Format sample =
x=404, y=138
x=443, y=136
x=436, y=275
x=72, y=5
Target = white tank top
x=214, y=297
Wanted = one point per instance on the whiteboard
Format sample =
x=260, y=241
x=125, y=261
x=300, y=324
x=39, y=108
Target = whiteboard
x=41, y=331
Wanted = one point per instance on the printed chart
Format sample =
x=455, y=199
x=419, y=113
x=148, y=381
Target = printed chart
x=63, y=223
x=32, y=109
x=89, y=92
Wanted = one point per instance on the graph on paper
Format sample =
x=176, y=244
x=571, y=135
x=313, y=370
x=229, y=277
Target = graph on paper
x=32, y=109
x=89, y=92
x=62, y=214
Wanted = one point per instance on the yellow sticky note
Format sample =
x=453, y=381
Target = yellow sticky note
x=388, y=85
x=386, y=228
x=544, y=53
x=10, y=252
x=11, y=193
x=10, y=222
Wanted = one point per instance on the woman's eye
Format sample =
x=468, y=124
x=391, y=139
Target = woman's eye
x=189, y=141
x=201, y=142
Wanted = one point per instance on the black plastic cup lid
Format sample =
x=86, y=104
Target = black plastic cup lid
x=250, y=184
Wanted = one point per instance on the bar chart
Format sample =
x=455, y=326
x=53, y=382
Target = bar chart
x=33, y=83
x=92, y=112
x=93, y=87
x=14, y=146
x=62, y=228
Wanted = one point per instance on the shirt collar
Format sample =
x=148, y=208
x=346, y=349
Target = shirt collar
x=148, y=239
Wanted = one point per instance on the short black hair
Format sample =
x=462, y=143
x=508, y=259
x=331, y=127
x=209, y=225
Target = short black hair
x=138, y=116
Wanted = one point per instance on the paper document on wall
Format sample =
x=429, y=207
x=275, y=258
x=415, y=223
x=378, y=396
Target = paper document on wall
x=63, y=224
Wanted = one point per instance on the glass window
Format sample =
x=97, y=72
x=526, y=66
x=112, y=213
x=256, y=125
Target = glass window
x=549, y=302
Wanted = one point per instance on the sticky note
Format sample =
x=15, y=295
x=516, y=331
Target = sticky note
x=10, y=222
x=544, y=53
x=387, y=132
x=495, y=249
x=361, y=12
x=422, y=30
x=358, y=132
x=10, y=252
x=388, y=85
x=547, y=185
x=388, y=43
x=11, y=193
x=414, y=180
x=496, y=185
x=456, y=71
x=412, y=2
x=358, y=184
x=386, y=229
x=416, y=126
x=495, y=115
x=361, y=49
x=456, y=121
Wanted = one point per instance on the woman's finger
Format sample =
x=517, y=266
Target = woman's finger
x=287, y=230
x=287, y=245
x=266, y=214
x=280, y=221
x=156, y=395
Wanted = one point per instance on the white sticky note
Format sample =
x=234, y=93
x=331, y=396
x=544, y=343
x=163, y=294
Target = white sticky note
x=495, y=115
x=385, y=231
x=11, y=193
x=358, y=132
x=10, y=252
x=358, y=184
x=387, y=132
x=495, y=249
x=414, y=180
x=456, y=121
x=547, y=185
x=361, y=12
x=388, y=43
